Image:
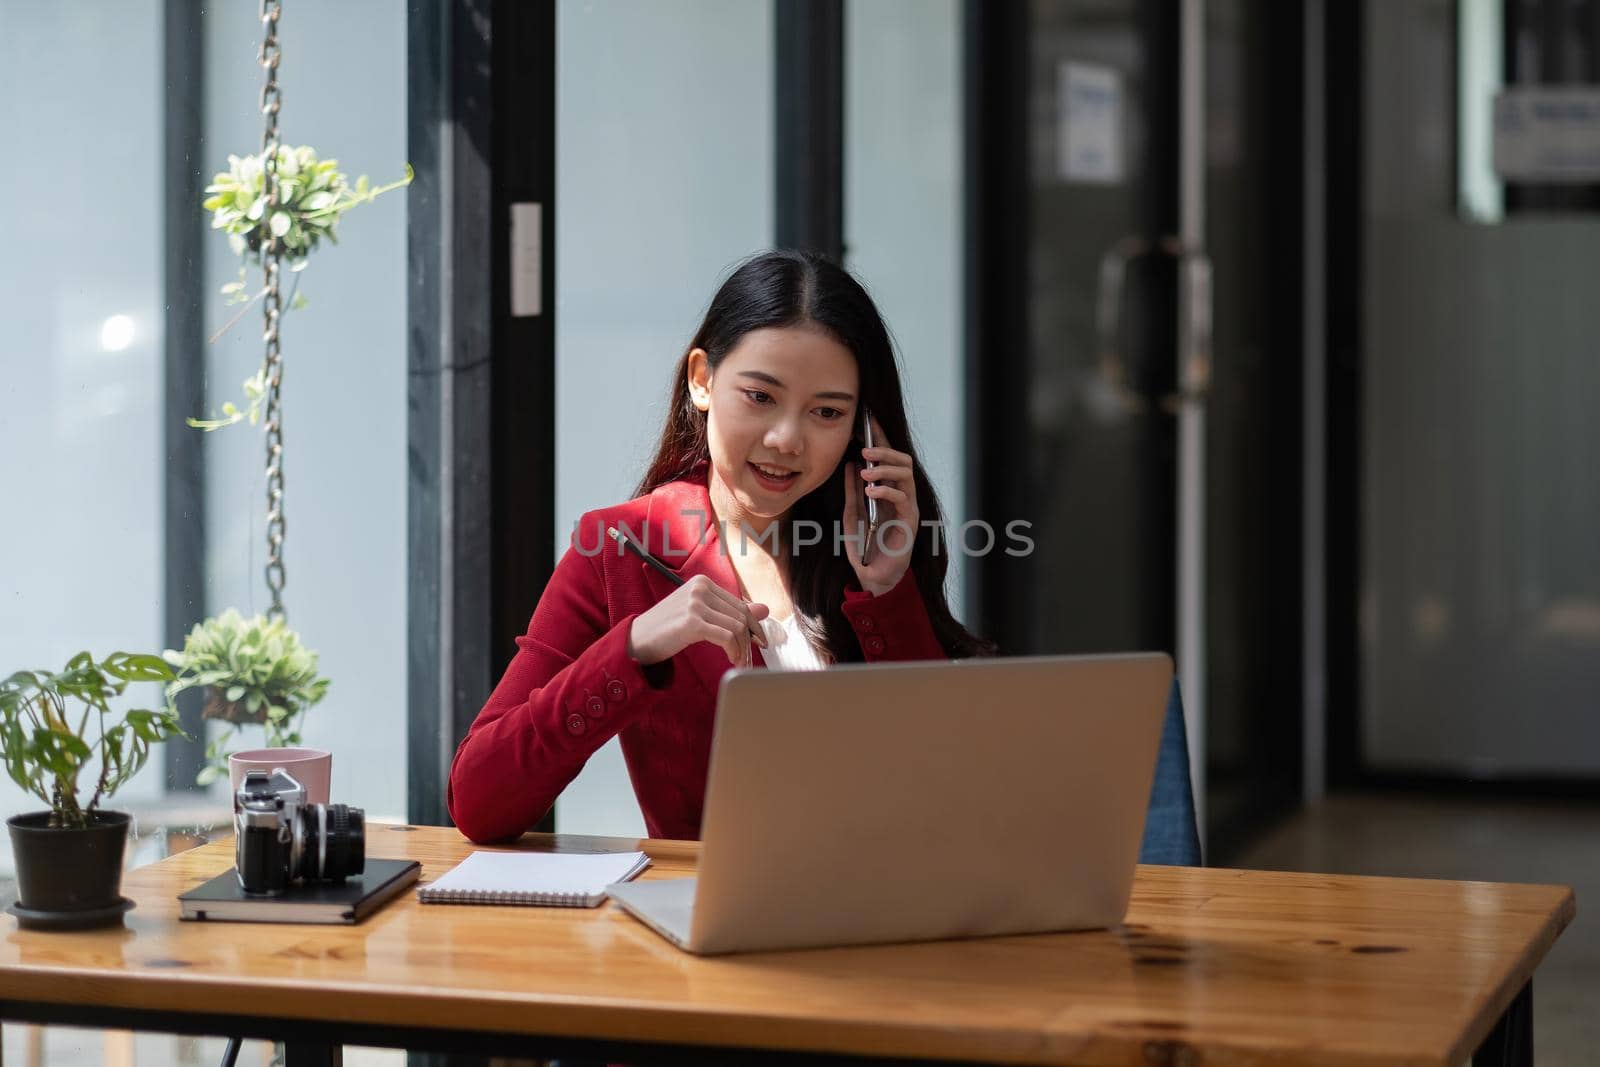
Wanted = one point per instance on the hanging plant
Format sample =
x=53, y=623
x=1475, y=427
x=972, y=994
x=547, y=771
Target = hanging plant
x=254, y=672
x=313, y=194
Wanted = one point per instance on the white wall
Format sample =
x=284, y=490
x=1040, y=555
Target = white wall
x=663, y=183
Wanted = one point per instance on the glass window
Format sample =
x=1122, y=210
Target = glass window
x=344, y=383
x=82, y=411
x=83, y=353
x=903, y=217
x=663, y=182
x=80, y=296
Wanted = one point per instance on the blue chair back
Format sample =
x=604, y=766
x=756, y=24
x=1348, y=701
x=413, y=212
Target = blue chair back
x=1170, y=834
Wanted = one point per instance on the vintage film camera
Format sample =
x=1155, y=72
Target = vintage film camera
x=279, y=839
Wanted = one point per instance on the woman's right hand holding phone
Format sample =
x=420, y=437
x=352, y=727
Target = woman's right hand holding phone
x=698, y=610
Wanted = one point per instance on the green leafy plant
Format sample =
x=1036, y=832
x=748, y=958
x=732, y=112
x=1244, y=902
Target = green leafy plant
x=313, y=194
x=46, y=751
x=257, y=672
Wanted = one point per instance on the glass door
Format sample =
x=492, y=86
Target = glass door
x=1155, y=526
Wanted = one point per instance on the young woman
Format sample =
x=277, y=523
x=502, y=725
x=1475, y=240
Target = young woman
x=752, y=500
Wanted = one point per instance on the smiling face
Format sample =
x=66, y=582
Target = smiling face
x=781, y=408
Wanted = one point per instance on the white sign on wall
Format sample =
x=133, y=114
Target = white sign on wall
x=527, y=259
x=1089, y=144
x=1547, y=135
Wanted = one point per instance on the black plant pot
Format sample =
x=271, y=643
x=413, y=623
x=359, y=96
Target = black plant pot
x=69, y=879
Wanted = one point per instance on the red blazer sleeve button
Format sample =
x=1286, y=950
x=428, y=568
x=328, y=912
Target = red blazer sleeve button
x=596, y=706
x=616, y=690
x=575, y=725
x=874, y=644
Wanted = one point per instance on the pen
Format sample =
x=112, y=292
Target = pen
x=665, y=571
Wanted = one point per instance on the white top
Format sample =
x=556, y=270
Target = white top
x=787, y=648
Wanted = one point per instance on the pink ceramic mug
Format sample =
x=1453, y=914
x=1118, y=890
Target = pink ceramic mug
x=311, y=767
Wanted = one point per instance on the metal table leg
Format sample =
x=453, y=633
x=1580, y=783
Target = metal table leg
x=1510, y=1043
x=312, y=1054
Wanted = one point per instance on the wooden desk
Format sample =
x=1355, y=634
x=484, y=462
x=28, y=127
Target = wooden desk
x=1212, y=967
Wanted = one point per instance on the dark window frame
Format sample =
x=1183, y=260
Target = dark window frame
x=183, y=601
x=995, y=224
x=808, y=126
x=481, y=491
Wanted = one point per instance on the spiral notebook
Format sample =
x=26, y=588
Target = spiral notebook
x=559, y=879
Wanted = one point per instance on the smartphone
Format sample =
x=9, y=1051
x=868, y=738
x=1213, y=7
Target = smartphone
x=868, y=506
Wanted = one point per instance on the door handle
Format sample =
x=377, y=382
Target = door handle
x=1194, y=322
x=1194, y=331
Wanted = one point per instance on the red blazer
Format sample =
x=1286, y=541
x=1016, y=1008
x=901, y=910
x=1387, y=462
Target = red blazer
x=572, y=686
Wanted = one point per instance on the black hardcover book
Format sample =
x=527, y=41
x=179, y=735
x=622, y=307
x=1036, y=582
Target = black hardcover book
x=350, y=901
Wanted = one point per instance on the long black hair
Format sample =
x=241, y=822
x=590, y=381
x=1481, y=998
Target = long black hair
x=788, y=288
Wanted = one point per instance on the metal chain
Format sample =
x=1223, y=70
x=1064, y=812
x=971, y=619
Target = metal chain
x=272, y=306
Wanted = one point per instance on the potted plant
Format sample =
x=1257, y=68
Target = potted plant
x=56, y=726
x=255, y=672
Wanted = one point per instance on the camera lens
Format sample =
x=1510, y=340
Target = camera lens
x=346, y=851
x=334, y=842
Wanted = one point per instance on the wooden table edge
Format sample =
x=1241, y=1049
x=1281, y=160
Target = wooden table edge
x=1498, y=1000
x=626, y=1019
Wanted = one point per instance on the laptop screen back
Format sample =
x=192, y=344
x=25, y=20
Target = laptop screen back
x=892, y=802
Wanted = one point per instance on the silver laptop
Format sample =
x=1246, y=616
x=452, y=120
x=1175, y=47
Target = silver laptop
x=917, y=801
